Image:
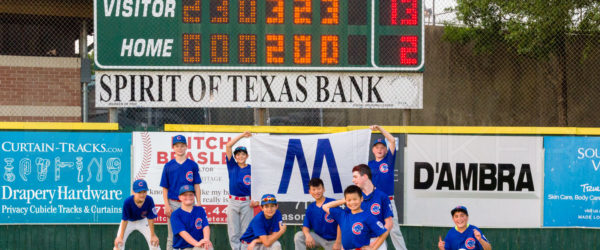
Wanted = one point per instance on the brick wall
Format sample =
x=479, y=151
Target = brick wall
x=40, y=89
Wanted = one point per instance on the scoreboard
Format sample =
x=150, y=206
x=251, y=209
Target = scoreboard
x=286, y=35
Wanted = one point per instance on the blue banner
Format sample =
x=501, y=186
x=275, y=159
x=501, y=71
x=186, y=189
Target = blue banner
x=64, y=177
x=572, y=182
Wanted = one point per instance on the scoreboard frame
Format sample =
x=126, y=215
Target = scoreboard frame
x=373, y=67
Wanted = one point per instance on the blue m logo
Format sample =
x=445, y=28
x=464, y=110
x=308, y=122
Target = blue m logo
x=324, y=151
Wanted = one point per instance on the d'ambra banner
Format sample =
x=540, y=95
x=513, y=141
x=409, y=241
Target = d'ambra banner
x=64, y=177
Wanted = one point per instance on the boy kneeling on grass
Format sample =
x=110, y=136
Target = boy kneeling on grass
x=266, y=227
x=357, y=226
x=189, y=223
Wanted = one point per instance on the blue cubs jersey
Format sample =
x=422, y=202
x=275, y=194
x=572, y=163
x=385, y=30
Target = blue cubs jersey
x=191, y=222
x=320, y=222
x=175, y=175
x=466, y=240
x=260, y=226
x=383, y=173
x=357, y=229
x=377, y=204
x=239, y=178
x=131, y=212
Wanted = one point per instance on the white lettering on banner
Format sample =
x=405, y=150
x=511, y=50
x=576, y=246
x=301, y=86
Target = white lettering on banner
x=27, y=147
x=248, y=89
x=589, y=153
x=490, y=175
x=8, y=193
x=159, y=8
x=589, y=188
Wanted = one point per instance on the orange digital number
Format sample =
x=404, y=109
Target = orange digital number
x=191, y=48
x=330, y=49
x=192, y=11
x=302, y=51
x=219, y=48
x=219, y=11
x=247, y=12
x=302, y=12
x=330, y=12
x=247, y=49
x=274, y=11
x=275, y=53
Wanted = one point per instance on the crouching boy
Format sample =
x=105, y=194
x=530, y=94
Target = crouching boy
x=266, y=227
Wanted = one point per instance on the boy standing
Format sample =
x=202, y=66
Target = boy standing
x=383, y=178
x=189, y=223
x=266, y=227
x=138, y=214
x=463, y=235
x=375, y=201
x=177, y=173
x=357, y=226
x=325, y=228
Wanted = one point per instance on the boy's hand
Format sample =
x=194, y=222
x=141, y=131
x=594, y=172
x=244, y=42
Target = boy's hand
x=441, y=243
x=204, y=243
x=246, y=134
x=374, y=127
x=337, y=246
x=251, y=245
x=168, y=210
x=282, y=227
x=477, y=234
x=253, y=204
x=118, y=242
x=310, y=242
x=154, y=240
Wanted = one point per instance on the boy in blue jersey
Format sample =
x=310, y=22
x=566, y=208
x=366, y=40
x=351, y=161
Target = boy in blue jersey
x=463, y=235
x=189, y=223
x=177, y=173
x=357, y=226
x=266, y=227
x=375, y=201
x=138, y=214
x=240, y=208
x=325, y=228
x=383, y=178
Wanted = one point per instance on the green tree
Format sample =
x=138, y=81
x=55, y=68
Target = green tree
x=536, y=28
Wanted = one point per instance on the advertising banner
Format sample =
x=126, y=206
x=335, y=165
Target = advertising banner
x=284, y=164
x=498, y=178
x=572, y=182
x=151, y=150
x=64, y=177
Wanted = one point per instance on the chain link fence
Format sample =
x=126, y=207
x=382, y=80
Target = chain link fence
x=502, y=76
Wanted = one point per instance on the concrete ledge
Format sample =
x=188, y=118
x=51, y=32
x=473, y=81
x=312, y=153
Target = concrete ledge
x=40, y=61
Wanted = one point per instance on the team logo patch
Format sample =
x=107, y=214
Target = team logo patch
x=189, y=176
x=380, y=224
x=328, y=219
x=141, y=184
x=198, y=223
x=384, y=168
x=375, y=209
x=357, y=228
x=247, y=180
x=470, y=243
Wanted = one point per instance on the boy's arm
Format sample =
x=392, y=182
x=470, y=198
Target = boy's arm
x=329, y=205
x=268, y=240
x=389, y=223
x=377, y=243
x=205, y=242
x=188, y=238
x=337, y=245
x=229, y=145
x=198, y=192
x=168, y=210
x=486, y=245
x=153, y=237
x=388, y=136
x=119, y=240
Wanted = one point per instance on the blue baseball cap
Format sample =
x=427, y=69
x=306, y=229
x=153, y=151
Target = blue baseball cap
x=459, y=209
x=382, y=141
x=139, y=186
x=186, y=188
x=179, y=138
x=240, y=149
x=268, y=199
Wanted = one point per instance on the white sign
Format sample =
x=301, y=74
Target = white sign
x=151, y=150
x=284, y=164
x=498, y=179
x=259, y=89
